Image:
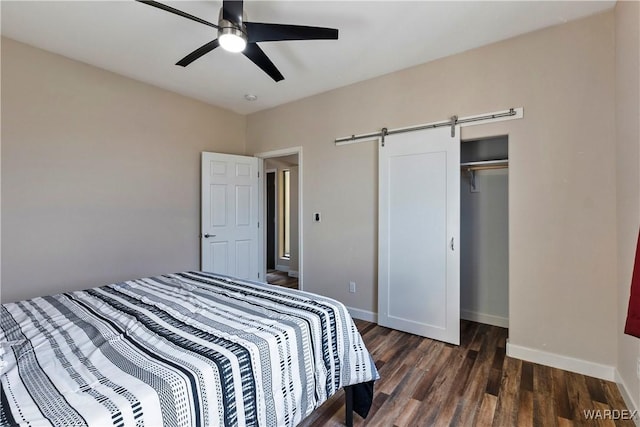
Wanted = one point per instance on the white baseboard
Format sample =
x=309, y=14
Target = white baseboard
x=503, y=322
x=489, y=319
x=632, y=405
x=357, y=313
x=283, y=268
x=293, y=273
x=559, y=361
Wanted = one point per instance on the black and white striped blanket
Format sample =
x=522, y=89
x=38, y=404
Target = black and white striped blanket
x=186, y=349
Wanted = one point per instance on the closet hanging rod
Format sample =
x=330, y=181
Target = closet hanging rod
x=512, y=113
x=485, y=164
x=485, y=167
x=472, y=167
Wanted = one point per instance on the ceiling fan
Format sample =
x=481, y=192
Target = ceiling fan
x=236, y=34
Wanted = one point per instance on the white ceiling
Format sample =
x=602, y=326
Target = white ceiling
x=375, y=38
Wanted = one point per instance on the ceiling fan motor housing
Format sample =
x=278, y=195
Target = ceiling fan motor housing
x=229, y=29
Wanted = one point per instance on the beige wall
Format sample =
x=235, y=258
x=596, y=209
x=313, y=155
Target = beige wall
x=562, y=179
x=100, y=174
x=627, y=15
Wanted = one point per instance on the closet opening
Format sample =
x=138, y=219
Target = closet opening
x=484, y=230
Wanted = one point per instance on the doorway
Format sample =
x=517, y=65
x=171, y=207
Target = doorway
x=271, y=218
x=484, y=231
x=282, y=207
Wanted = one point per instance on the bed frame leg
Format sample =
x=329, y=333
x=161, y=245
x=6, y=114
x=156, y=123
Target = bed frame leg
x=348, y=400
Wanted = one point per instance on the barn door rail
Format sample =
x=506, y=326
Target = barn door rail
x=498, y=116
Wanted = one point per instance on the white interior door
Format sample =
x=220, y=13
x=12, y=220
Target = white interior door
x=230, y=212
x=419, y=223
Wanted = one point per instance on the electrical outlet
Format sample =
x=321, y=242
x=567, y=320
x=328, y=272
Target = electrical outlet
x=352, y=287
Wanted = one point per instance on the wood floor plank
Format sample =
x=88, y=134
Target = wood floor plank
x=480, y=337
x=596, y=392
x=415, y=355
x=509, y=395
x=542, y=379
x=447, y=409
x=526, y=379
x=430, y=355
x=561, y=398
x=525, y=409
x=428, y=383
x=431, y=373
x=544, y=413
x=392, y=382
x=438, y=408
x=544, y=405
x=398, y=400
x=487, y=410
x=407, y=417
x=579, y=394
x=563, y=422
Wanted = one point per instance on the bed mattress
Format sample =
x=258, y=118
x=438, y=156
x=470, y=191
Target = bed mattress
x=184, y=349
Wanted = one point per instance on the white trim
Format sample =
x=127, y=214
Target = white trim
x=559, y=361
x=357, y=313
x=627, y=397
x=281, y=153
x=283, y=268
x=488, y=319
x=374, y=136
x=293, y=273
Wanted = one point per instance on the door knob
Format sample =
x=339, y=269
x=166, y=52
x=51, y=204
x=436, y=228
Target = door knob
x=206, y=236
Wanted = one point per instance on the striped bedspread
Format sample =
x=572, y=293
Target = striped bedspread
x=186, y=349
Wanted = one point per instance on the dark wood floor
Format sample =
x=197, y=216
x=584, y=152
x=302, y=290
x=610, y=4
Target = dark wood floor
x=281, y=278
x=430, y=383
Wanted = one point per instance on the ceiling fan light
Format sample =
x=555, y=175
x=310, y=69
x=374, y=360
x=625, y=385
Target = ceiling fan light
x=232, y=39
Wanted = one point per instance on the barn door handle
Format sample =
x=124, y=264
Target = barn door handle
x=206, y=236
x=451, y=244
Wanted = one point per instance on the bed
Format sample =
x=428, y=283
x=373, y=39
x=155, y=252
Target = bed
x=184, y=349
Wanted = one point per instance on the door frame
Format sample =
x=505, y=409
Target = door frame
x=262, y=237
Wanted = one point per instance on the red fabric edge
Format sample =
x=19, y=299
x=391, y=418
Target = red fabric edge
x=632, y=327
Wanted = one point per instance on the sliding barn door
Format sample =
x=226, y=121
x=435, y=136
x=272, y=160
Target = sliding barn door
x=230, y=211
x=419, y=223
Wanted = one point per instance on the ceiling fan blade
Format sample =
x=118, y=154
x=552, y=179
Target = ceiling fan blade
x=232, y=11
x=177, y=12
x=258, y=57
x=202, y=50
x=261, y=32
